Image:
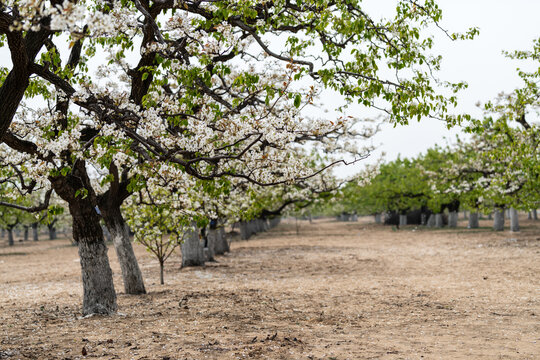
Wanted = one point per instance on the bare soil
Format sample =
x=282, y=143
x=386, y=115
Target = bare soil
x=334, y=291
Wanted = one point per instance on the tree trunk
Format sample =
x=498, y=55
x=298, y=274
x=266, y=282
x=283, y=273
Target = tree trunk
x=52, y=233
x=3, y=233
x=192, y=249
x=431, y=221
x=119, y=232
x=244, y=232
x=534, y=214
x=514, y=221
x=452, y=219
x=473, y=220
x=11, y=242
x=211, y=246
x=25, y=233
x=161, y=277
x=529, y=216
x=498, y=219
x=35, y=231
x=438, y=221
x=98, y=286
x=378, y=218
x=354, y=218
x=490, y=216
x=402, y=220
x=222, y=245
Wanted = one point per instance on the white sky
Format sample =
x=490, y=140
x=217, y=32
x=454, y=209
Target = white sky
x=504, y=25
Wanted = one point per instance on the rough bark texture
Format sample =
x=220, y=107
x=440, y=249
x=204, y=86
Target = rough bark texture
x=35, y=231
x=514, y=221
x=211, y=245
x=119, y=232
x=452, y=219
x=99, y=294
x=438, y=221
x=498, y=220
x=402, y=220
x=192, y=249
x=473, y=220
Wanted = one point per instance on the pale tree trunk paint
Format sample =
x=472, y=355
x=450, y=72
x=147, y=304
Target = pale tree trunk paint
x=534, y=214
x=529, y=216
x=3, y=233
x=211, y=246
x=192, y=249
x=514, y=220
x=431, y=221
x=490, y=216
x=99, y=295
x=402, y=220
x=244, y=235
x=26, y=233
x=452, y=219
x=35, y=231
x=507, y=214
x=119, y=233
x=498, y=220
x=438, y=221
x=222, y=240
x=464, y=215
x=354, y=218
x=378, y=218
x=473, y=220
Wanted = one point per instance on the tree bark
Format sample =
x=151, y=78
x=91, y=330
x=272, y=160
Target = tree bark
x=514, y=221
x=534, y=214
x=378, y=218
x=431, y=221
x=161, y=271
x=35, y=231
x=438, y=221
x=498, y=219
x=473, y=220
x=211, y=246
x=119, y=232
x=192, y=249
x=402, y=220
x=222, y=245
x=452, y=219
x=11, y=242
x=52, y=232
x=26, y=233
x=244, y=232
x=98, y=286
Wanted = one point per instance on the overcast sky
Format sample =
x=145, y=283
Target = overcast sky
x=504, y=25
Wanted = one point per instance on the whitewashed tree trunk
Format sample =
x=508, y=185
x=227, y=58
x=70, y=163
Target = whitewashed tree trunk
x=490, y=216
x=211, y=246
x=423, y=219
x=529, y=216
x=452, y=219
x=438, y=221
x=473, y=220
x=431, y=221
x=514, y=221
x=507, y=214
x=534, y=214
x=402, y=220
x=192, y=249
x=464, y=215
x=26, y=232
x=498, y=220
x=222, y=242
x=244, y=233
x=354, y=218
x=378, y=218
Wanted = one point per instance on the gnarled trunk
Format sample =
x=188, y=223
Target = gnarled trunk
x=473, y=220
x=222, y=245
x=119, y=232
x=514, y=221
x=192, y=249
x=498, y=219
x=98, y=287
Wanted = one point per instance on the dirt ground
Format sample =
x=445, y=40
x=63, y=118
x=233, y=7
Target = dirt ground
x=335, y=291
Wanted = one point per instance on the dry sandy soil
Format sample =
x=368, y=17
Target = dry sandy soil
x=335, y=291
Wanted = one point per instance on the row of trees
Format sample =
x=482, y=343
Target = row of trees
x=497, y=168
x=164, y=111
